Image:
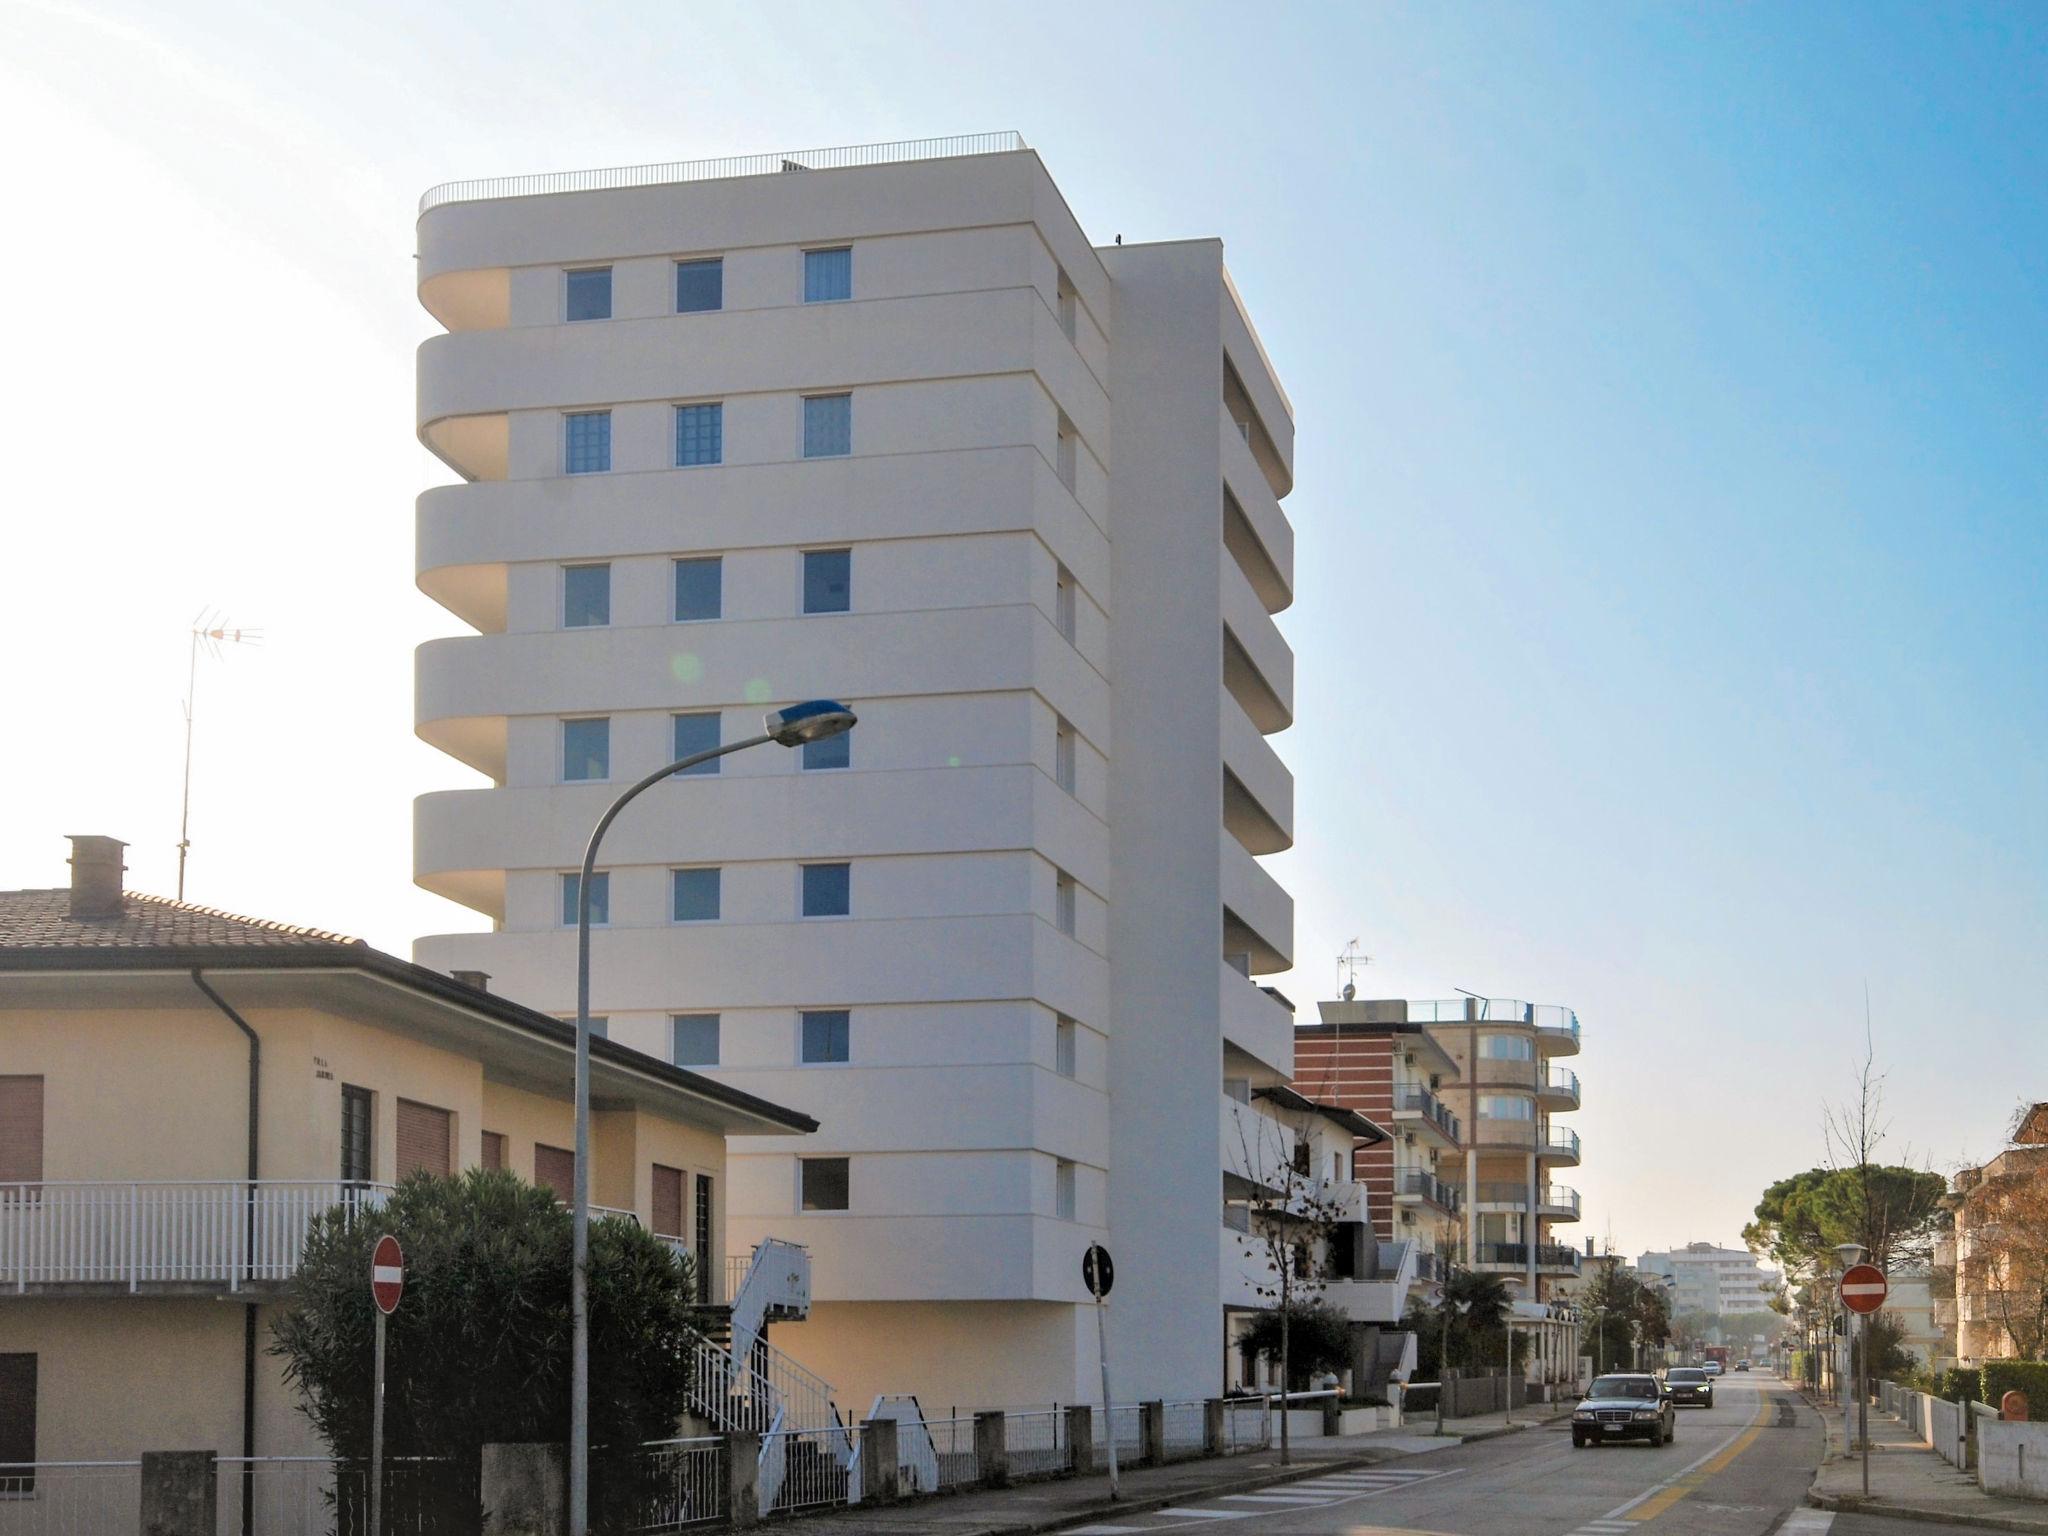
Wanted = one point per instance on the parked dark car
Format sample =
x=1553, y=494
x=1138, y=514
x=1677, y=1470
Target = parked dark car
x=1689, y=1384
x=1742, y=1365
x=1627, y=1407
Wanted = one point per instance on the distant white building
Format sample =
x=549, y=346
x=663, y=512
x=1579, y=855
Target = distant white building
x=1710, y=1278
x=868, y=424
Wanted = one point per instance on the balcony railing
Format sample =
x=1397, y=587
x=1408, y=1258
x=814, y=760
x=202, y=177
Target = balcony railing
x=1420, y=1101
x=1423, y=1185
x=1560, y=1197
x=671, y=171
x=1562, y=1143
x=227, y=1233
x=1548, y=1255
x=1561, y=1082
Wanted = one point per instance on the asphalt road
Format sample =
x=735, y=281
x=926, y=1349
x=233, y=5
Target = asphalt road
x=1740, y=1468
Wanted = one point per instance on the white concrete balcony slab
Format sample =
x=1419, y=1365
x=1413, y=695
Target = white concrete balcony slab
x=1261, y=673
x=1255, y=1021
x=1259, y=913
x=1258, y=795
x=1367, y=1301
x=162, y=1237
x=1264, y=546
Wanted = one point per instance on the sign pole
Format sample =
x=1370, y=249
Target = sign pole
x=1863, y=1399
x=1108, y=1415
x=377, y=1435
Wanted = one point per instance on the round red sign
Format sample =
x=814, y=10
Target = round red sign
x=387, y=1274
x=1864, y=1288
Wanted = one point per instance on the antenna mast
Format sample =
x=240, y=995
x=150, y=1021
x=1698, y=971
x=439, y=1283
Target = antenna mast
x=1349, y=964
x=210, y=634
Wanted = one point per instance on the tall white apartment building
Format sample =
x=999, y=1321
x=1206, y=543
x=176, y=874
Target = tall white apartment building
x=881, y=425
x=1712, y=1279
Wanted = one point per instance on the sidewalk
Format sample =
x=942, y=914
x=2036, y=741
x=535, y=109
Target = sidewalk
x=1908, y=1479
x=1053, y=1504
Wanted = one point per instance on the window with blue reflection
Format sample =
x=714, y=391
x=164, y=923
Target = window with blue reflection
x=700, y=584
x=693, y=1039
x=694, y=895
x=827, y=1035
x=587, y=446
x=828, y=426
x=600, y=899
x=700, y=434
x=828, y=890
x=586, y=596
x=590, y=294
x=828, y=275
x=586, y=749
x=693, y=734
x=829, y=752
x=700, y=285
x=828, y=580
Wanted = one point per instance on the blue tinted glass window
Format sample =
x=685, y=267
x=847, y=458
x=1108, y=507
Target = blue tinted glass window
x=831, y=752
x=586, y=595
x=695, y=895
x=590, y=294
x=600, y=898
x=693, y=1039
x=699, y=588
x=827, y=1035
x=828, y=426
x=828, y=890
x=586, y=749
x=700, y=434
x=828, y=580
x=700, y=285
x=696, y=733
x=588, y=447
x=828, y=275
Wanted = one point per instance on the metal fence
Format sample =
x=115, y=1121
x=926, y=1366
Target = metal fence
x=70, y=1498
x=686, y=1484
x=1184, y=1430
x=958, y=1464
x=839, y=158
x=1035, y=1442
x=1130, y=1433
x=289, y=1495
x=807, y=1468
x=1247, y=1425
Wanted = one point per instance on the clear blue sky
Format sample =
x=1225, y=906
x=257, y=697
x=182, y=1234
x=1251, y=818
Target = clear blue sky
x=1673, y=434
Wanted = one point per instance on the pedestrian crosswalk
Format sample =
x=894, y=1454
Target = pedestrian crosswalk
x=1319, y=1491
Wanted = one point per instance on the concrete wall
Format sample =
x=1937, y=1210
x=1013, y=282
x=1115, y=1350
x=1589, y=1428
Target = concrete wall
x=2013, y=1458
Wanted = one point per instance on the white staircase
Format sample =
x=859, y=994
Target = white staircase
x=753, y=1386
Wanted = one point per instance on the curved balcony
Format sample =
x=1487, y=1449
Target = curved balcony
x=1484, y=1072
x=1559, y=1202
x=1557, y=1029
x=1485, y=1134
x=1559, y=1090
x=1559, y=1146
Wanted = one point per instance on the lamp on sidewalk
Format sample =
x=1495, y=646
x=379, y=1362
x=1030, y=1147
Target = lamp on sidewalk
x=792, y=727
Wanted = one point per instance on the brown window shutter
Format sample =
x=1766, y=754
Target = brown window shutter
x=555, y=1169
x=423, y=1139
x=21, y=1130
x=494, y=1149
x=668, y=1201
x=17, y=1414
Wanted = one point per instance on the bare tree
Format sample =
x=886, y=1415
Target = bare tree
x=1290, y=1218
x=1893, y=1211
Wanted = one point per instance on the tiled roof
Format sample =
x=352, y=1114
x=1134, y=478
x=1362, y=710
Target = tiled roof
x=42, y=920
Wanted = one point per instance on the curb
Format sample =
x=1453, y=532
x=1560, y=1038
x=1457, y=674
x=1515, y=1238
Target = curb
x=1852, y=1503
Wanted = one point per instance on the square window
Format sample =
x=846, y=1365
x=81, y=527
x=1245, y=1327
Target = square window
x=600, y=899
x=590, y=294
x=586, y=596
x=586, y=750
x=830, y=752
x=825, y=1182
x=700, y=589
x=828, y=426
x=693, y=1039
x=828, y=275
x=694, y=895
x=827, y=1036
x=700, y=434
x=828, y=580
x=828, y=890
x=700, y=285
x=587, y=446
x=693, y=734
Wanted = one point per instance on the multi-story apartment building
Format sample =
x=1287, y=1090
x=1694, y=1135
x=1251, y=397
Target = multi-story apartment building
x=1989, y=1269
x=884, y=425
x=1368, y=1057
x=1709, y=1278
x=182, y=1091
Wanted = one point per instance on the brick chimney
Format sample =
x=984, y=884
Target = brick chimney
x=96, y=870
x=481, y=980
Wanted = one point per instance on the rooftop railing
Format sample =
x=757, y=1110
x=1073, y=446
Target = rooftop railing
x=673, y=171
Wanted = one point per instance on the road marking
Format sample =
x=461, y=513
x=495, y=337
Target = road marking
x=1208, y=1514
x=1657, y=1498
x=1106, y=1530
x=1278, y=1498
x=1329, y=1491
x=1808, y=1522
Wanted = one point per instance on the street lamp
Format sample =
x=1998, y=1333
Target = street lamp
x=814, y=720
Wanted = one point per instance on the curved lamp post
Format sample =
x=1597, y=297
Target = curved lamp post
x=791, y=727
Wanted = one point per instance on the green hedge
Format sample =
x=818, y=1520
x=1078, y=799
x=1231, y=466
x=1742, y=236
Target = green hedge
x=2028, y=1376
x=1959, y=1385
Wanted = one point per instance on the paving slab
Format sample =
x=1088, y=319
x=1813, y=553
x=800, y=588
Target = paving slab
x=1909, y=1481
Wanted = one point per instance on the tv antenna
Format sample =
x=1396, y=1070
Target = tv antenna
x=209, y=633
x=1349, y=964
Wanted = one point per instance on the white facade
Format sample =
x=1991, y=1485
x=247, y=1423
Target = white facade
x=1059, y=507
x=1713, y=1279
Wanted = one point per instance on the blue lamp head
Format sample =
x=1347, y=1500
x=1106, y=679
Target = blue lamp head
x=812, y=720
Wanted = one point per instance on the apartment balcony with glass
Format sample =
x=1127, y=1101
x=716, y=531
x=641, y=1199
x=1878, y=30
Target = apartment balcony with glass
x=1417, y=1109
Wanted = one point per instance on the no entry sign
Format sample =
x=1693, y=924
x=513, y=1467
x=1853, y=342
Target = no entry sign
x=387, y=1274
x=1864, y=1288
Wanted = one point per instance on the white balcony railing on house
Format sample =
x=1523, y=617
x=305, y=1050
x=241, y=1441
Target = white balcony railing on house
x=227, y=1233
